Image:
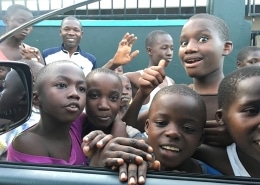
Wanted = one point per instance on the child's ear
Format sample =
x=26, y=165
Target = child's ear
x=239, y=63
x=36, y=100
x=60, y=31
x=146, y=126
x=219, y=116
x=149, y=50
x=228, y=47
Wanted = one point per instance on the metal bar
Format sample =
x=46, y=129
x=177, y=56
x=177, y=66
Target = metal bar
x=43, y=17
x=99, y=8
x=124, y=7
x=195, y=6
x=253, y=6
x=49, y=4
x=1, y=9
x=164, y=9
x=179, y=7
x=38, y=7
x=137, y=7
x=249, y=7
x=112, y=7
x=150, y=7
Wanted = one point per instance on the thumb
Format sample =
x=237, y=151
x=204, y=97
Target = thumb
x=162, y=63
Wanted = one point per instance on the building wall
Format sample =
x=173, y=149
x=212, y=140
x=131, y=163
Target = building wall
x=101, y=37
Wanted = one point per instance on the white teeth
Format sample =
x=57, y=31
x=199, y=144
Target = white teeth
x=258, y=142
x=171, y=148
x=73, y=106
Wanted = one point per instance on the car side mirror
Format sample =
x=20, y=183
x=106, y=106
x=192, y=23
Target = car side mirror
x=15, y=94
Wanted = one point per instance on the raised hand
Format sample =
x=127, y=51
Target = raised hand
x=152, y=77
x=123, y=54
x=30, y=53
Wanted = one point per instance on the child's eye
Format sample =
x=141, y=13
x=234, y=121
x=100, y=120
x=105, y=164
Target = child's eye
x=114, y=98
x=93, y=95
x=82, y=89
x=183, y=43
x=188, y=128
x=252, y=61
x=251, y=111
x=129, y=88
x=61, y=85
x=164, y=47
x=161, y=123
x=203, y=39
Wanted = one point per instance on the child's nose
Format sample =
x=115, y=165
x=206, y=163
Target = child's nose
x=169, y=52
x=173, y=131
x=192, y=46
x=74, y=93
x=103, y=104
x=125, y=91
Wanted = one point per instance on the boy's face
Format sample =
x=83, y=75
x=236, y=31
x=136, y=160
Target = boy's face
x=174, y=129
x=103, y=99
x=243, y=117
x=162, y=49
x=71, y=33
x=201, y=48
x=253, y=58
x=63, y=95
x=127, y=91
x=17, y=19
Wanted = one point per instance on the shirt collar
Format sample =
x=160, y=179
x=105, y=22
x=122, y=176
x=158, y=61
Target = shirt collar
x=65, y=51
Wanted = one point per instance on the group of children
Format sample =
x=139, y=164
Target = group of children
x=184, y=124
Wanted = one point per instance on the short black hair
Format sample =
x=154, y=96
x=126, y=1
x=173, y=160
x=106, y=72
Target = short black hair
x=44, y=72
x=228, y=87
x=152, y=37
x=219, y=24
x=183, y=90
x=244, y=52
x=73, y=18
x=14, y=8
x=105, y=71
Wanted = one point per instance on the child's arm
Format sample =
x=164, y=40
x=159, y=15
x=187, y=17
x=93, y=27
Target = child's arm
x=119, y=128
x=123, y=54
x=216, y=134
x=148, y=81
x=215, y=156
